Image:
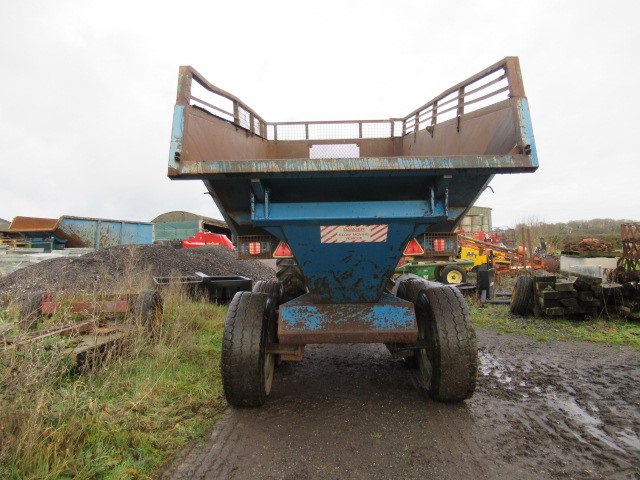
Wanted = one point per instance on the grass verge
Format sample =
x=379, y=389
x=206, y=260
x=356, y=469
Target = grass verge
x=615, y=331
x=130, y=412
x=123, y=417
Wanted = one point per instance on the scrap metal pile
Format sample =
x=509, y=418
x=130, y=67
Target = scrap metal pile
x=90, y=326
x=588, y=245
x=628, y=269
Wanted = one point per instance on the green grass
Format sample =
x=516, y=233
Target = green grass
x=128, y=415
x=615, y=331
x=123, y=419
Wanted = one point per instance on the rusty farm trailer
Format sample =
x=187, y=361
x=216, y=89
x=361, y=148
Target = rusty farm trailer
x=337, y=202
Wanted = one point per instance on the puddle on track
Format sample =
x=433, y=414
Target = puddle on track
x=585, y=423
x=540, y=410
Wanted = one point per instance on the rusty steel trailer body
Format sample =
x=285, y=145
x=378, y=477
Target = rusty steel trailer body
x=347, y=197
x=83, y=232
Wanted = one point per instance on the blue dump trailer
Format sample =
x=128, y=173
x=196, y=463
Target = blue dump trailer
x=337, y=202
x=81, y=232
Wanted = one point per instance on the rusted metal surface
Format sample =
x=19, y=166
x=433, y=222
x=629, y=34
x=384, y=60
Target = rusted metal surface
x=395, y=166
x=102, y=233
x=50, y=307
x=34, y=224
x=478, y=116
x=471, y=131
x=107, y=304
x=286, y=352
x=89, y=340
x=62, y=330
x=628, y=268
x=377, y=183
x=390, y=320
x=630, y=235
x=85, y=232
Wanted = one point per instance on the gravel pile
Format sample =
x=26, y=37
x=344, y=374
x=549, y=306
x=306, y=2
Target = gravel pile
x=126, y=268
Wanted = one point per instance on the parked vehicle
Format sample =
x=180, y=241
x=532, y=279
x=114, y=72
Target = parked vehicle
x=81, y=232
x=445, y=271
x=201, y=239
x=337, y=203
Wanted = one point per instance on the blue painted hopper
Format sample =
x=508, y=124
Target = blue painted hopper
x=346, y=197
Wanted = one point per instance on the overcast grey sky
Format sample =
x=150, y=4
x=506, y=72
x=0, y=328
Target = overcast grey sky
x=88, y=89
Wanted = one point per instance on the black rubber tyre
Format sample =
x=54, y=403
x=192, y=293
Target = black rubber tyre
x=247, y=370
x=31, y=310
x=453, y=274
x=273, y=289
x=449, y=364
x=522, y=296
x=409, y=290
x=291, y=278
x=148, y=312
x=275, y=292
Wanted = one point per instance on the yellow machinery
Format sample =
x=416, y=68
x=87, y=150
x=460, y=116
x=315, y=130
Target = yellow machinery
x=479, y=256
x=503, y=258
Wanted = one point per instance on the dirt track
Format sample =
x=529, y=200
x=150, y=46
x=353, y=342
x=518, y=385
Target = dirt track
x=541, y=410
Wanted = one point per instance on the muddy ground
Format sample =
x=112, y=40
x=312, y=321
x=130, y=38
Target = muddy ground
x=541, y=410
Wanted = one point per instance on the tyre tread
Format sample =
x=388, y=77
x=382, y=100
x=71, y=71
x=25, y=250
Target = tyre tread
x=291, y=278
x=243, y=340
x=522, y=297
x=456, y=363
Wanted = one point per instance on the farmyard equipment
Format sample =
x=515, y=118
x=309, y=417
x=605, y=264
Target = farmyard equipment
x=341, y=200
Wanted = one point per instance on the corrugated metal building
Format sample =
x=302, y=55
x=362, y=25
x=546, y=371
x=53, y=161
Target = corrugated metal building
x=5, y=235
x=181, y=225
x=4, y=226
x=477, y=219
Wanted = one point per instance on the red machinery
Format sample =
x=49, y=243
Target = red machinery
x=201, y=239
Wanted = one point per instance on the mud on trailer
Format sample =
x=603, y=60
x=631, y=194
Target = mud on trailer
x=342, y=199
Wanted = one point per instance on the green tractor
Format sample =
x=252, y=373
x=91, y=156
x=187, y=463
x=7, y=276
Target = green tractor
x=443, y=271
x=435, y=257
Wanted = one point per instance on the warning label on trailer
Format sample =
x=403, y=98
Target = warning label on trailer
x=353, y=233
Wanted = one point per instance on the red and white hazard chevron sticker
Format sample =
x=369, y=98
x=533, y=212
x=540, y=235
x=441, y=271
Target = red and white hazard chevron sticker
x=353, y=233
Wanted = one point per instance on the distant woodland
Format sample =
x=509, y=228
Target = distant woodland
x=557, y=234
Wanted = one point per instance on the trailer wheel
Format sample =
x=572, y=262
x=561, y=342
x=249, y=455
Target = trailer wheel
x=275, y=292
x=453, y=274
x=273, y=289
x=290, y=275
x=449, y=363
x=409, y=290
x=522, y=296
x=247, y=368
x=31, y=310
x=148, y=311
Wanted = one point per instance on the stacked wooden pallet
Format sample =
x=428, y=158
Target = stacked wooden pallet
x=581, y=294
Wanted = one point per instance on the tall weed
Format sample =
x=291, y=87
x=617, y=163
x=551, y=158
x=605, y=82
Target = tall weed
x=125, y=412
